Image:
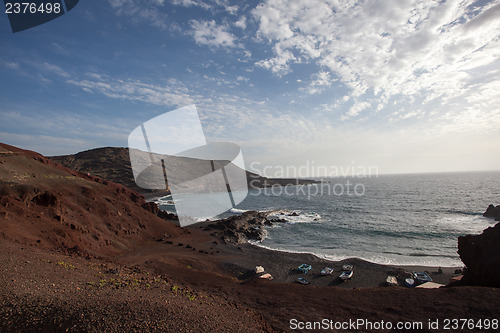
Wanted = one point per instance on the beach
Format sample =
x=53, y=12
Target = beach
x=238, y=261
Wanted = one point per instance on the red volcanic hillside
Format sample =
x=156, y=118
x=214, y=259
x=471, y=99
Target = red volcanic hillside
x=42, y=202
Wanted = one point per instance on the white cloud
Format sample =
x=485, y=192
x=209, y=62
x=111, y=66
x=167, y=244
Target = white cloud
x=68, y=130
x=211, y=34
x=142, y=11
x=319, y=82
x=172, y=94
x=424, y=48
x=241, y=23
x=233, y=10
x=280, y=64
x=412, y=114
x=355, y=109
x=120, y=3
x=228, y=116
x=43, y=72
x=10, y=64
x=52, y=68
x=271, y=136
x=188, y=3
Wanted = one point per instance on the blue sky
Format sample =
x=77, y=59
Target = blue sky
x=406, y=86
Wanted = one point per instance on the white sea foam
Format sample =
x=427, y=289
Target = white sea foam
x=238, y=211
x=292, y=217
x=166, y=200
x=376, y=259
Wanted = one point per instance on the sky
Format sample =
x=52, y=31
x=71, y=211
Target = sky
x=403, y=86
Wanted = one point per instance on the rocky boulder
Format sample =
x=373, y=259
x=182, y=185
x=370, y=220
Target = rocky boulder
x=481, y=256
x=493, y=212
x=240, y=228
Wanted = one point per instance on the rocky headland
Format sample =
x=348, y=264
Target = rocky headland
x=113, y=164
x=493, y=212
x=481, y=254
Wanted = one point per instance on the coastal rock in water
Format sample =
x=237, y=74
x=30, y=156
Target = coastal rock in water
x=240, y=228
x=481, y=256
x=493, y=211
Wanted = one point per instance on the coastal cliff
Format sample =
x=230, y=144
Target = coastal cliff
x=481, y=256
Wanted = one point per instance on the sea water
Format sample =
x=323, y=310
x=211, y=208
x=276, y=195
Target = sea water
x=411, y=219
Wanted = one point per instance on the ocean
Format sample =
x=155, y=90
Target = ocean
x=410, y=219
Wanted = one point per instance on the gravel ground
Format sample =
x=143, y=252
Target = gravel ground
x=44, y=291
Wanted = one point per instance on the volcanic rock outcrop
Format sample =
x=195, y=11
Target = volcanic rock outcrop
x=493, y=212
x=240, y=228
x=481, y=256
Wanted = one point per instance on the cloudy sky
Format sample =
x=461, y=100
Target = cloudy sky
x=406, y=86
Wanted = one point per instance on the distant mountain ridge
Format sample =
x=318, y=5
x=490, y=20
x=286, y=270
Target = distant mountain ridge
x=108, y=163
x=113, y=164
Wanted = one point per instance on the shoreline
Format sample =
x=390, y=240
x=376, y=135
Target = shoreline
x=240, y=259
x=282, y=266
x=246, y=231
x=432, y=256
x=327, y=258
